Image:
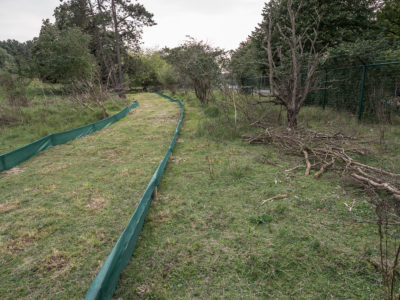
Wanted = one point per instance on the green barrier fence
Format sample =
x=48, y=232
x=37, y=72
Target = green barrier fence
x=14, y=158
x=104, y=284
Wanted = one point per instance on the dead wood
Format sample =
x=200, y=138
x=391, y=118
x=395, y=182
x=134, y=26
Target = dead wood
x=322, y=151
x=307, y=163
x=386, y=186
x=279, y=196
x=323, y=168
x=292, y=169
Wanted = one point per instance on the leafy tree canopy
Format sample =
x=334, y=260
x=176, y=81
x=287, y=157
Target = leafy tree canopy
x=62, y=55
x=199, y=63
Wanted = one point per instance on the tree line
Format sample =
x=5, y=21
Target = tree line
x=99, y=41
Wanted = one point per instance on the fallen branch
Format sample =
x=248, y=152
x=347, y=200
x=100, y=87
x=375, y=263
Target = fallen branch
x=307, y=162
x=280, y=196
x=375, y=169
x=292, y=169
x=375, y=184
x=323, y=168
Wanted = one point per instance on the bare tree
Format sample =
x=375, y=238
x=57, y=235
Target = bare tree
x=293, y=59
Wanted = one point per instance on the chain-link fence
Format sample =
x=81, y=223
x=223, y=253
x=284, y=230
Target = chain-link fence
x=367, y=91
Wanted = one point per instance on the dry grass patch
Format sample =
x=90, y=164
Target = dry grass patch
x=5, y=207
x=56, y=261
x=21, y=243
x=96, y=203
x=13, y=171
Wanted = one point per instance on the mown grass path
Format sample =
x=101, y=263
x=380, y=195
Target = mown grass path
x=62, y=211
x=207, y=236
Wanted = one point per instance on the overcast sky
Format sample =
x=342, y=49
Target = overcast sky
x=222, y=23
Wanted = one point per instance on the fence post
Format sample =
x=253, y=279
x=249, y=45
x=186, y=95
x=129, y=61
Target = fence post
x=360, y=108
x=325, y=87
x=3, y=162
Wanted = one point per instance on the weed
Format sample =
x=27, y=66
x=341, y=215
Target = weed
x=261, y=219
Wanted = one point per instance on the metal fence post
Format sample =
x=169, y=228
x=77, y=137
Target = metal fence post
x=360, y=108
x=325, y=87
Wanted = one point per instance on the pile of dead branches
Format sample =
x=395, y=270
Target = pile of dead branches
x=330, y=151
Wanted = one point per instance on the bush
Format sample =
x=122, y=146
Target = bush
x=14, y=88
x=212, y=112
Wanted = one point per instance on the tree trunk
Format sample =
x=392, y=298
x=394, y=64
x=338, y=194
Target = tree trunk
x=100, y=44
x=292, y=117
x=107, y=58
x=121, y=89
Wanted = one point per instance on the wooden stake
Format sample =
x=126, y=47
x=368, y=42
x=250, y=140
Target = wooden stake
x=155, y=193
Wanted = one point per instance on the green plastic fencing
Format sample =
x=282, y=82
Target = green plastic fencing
x=104, y=284
x=14, y=158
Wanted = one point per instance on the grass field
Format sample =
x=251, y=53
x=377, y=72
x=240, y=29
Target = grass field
x=63, y=210
x=207, y=236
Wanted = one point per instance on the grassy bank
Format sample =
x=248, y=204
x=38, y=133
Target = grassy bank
x=63, y=210
x=47, y=112
x=208, y=236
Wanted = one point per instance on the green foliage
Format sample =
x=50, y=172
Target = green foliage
x=261, y=219
x=150, y=70
x=14, y=88
x=363, y=52
x=388, y=19
x=212, y=111
x=168, y=77
x=62, y=56
x=7, y=62
x=245, y=61
x=140, y=71
x=73, y=13
x=20, y=60
x=342, y=22
x=198, y=63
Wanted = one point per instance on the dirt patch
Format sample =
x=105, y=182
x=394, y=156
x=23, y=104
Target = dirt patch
x=4, y=207
x=53, y=168
x=161, y=217
x=150, y=137
x=55, y=262
x=146, y=105
x=112, y=154
x=21, y=243
x=105, y=130
x=142, y=290
x=175, y=159
x=14, y=171
x=96, y=203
